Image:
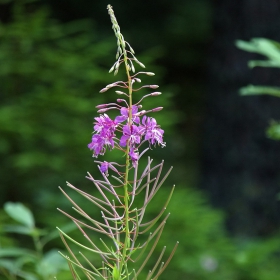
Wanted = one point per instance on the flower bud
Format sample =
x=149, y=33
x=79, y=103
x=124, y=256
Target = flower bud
x=110, y=85
x=155, y=93
x=153, y=86
x=103, y=90
x=141, y=113
x=150, y=73
x=140, y=63
x=157, y=109
x=120, y=100
x=131, y=49
x=101, y=106
x=103, y=110
x=112, y=68
x=132, y=67
x=119, y=92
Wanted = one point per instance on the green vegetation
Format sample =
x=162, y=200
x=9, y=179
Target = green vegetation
x=51, y=74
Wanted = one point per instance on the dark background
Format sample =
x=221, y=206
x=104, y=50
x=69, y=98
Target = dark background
x=215, y=138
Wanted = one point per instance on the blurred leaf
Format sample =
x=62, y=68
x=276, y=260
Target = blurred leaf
x=55, y=233
x=15, y=252
x=263, y=63
x=24, y=230
x=268, y=48
x=11, y=266
x=51, y=263
x=20, y=213
x=8, y=265
x=258, y=90
x=273, y=131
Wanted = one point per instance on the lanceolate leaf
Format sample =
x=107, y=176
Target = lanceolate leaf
x=258, y=90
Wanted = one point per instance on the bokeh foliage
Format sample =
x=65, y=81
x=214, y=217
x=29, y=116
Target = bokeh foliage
x=271, y=51
x=51, y=74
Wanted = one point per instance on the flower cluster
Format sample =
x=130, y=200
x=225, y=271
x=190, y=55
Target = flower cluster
x=133, y=133
x=122, y=219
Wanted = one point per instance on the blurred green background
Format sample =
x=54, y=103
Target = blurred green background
x=54, y=59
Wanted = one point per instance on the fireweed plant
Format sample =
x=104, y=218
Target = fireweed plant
x=124, y=191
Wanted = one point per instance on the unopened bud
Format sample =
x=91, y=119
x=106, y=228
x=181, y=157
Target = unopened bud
x=103, y=90
x=150, y=73
x=140, y=63
x=132, y=67
x=110, y=85
x=131, y=49
x=119, y=92
x=153, y=86
x=117, y=65
x=155, y=93
x=120, y=100
x=157, y=109
x=112, y=68
x=137, y=80
x=102, y=110
x=142, y=112
x=101, y=106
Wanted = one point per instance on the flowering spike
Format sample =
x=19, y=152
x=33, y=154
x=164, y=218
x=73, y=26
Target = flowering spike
x=122, y=222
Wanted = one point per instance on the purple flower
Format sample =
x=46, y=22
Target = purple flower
x=104, y=167
x=104, y=123
x=125, y=114
x=98, y=144
x=134, y=157
x=131, y=134
x=153, y=133
x=105, y=132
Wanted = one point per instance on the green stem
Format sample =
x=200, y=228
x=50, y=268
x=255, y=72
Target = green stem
x=38, y=245
x=126, y=246
x=126, y=183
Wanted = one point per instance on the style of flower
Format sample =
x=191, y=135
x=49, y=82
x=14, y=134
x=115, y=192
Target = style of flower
x=131, y=134
x=125, y=115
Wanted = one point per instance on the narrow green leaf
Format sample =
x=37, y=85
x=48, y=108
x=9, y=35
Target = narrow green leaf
x=262, y=46
x=116, y=273
x=263, y=63
x=51, y=263
x=258, y=90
